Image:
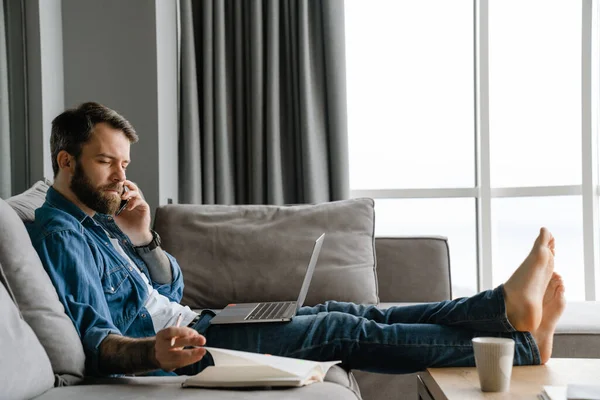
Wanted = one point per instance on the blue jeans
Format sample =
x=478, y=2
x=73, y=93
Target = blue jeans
x=395, y=340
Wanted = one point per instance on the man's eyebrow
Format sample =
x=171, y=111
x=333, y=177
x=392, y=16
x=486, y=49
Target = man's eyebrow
x=104, y=155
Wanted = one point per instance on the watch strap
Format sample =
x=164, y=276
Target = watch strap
x=154, y=243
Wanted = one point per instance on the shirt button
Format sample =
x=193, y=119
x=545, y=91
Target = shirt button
x=124, y=241
x=143, y=315
x=112, y=289
x=110, y=218
x=131, y=269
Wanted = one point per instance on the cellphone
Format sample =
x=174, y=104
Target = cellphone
x=123, y=202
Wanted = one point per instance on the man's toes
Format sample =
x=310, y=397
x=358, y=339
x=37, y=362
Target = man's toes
x=558, y=294
x=551, y=290
x=545, y=235
x=541, y=255
x=556, y=279
x=543, y=238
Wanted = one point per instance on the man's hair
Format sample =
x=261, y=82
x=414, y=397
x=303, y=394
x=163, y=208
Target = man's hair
x=74, y=127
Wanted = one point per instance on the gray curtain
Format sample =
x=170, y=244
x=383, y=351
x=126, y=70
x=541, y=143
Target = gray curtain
x=263, y=102
x=5, y=162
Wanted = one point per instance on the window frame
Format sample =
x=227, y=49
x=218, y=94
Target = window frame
x=483, y=193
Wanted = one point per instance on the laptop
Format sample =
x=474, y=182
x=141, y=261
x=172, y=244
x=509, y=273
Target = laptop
x=280, y=311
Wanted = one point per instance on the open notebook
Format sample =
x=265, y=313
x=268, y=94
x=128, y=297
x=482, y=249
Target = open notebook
x=571, y=392
x=242, y=369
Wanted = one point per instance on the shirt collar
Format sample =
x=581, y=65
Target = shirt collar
x=57, y=200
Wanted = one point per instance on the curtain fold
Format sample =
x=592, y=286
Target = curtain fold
x=263, y=102
x=5, y=159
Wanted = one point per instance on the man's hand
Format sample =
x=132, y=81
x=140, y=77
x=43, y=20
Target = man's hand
x=134, y=220
x=169, y=358
x=125, y=355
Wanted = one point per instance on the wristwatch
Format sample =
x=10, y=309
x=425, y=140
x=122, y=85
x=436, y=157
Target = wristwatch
x=154, y=243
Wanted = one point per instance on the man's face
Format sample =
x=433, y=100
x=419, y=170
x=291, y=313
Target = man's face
x=99, y=173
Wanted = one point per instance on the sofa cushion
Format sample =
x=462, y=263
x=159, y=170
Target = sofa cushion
x=30, y=200
x=37, y=298
x=339, y=384
x=260, y=253
x=25, y=370
x=160, y=391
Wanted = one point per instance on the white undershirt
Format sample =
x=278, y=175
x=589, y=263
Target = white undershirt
x=163, y=311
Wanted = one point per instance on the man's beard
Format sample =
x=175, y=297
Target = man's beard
x=94, y=198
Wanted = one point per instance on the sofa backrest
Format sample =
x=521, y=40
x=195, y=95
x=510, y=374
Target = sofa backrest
x=248, y=253
x=25, y=369
x=37, y=299
x=413, y=269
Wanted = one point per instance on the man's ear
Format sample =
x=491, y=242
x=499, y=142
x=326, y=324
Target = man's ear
x=65, y=160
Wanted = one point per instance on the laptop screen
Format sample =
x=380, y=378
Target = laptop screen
x=309, y=272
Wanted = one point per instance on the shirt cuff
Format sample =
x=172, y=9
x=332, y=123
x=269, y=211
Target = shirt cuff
x=91, y=345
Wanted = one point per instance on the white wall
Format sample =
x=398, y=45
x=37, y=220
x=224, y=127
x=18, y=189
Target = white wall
x=45, y=93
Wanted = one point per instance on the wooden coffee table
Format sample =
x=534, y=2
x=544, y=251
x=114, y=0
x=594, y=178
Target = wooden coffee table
x=526, y=382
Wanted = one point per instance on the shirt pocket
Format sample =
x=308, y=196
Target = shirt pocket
x=116, y=284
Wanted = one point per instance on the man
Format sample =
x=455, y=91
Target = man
x=122, y=290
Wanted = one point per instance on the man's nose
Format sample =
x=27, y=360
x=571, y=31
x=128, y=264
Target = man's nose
x=119, y=174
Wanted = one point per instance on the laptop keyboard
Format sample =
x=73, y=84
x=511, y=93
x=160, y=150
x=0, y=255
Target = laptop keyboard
x=270, y=310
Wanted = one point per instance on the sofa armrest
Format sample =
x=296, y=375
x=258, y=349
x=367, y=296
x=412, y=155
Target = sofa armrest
x=413, y=269
x=577, y=334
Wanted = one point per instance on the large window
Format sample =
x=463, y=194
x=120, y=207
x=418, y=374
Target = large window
x=476, y=120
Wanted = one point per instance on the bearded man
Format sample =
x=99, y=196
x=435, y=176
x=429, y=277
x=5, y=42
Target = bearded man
x=122, y=291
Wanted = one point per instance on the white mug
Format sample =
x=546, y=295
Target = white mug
x=494, y=360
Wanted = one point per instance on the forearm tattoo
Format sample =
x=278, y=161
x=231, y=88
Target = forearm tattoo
x=123, y=355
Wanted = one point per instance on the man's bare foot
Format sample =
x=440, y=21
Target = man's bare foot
x=524, y=290
x=553, y=306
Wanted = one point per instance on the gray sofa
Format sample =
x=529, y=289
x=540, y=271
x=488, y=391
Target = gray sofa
x=42, y=355
x=53, y=364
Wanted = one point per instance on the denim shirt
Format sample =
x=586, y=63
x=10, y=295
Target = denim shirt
x=99, y=289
